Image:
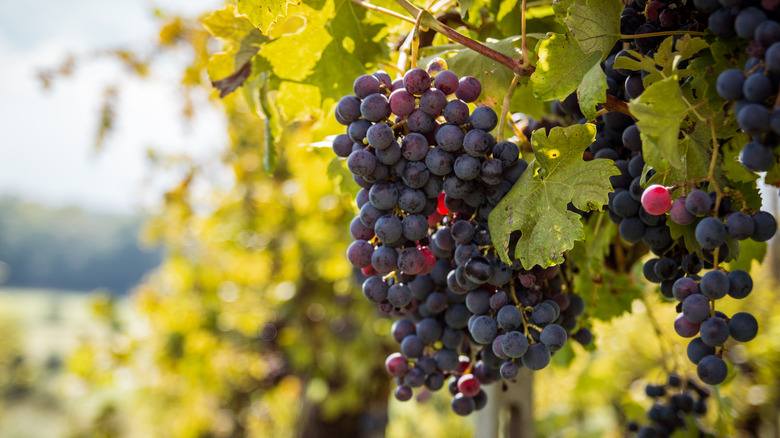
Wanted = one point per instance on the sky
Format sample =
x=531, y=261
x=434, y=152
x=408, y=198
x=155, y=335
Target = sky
x=47, y=138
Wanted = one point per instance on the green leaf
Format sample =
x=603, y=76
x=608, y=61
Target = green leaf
x=264, y=13
x=592, y=91
x=464, y=6
x=637, y=63
x=595, y=24
x=562, y=65
x=494, y=77
x=750, y=250
x=229, y=69
x=606, y=292
x=537, y=204
x=659, y=111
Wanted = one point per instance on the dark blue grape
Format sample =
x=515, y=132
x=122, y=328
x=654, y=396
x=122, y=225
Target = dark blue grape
x=684, y=287
x=710, y=233
x=484, y=118
x=433, y=101
x=536, y=358
x=477, y=142
x=449, y=138
x=342, y=145
x=380, y=136
x=757, y=88
x=390, y=155
x=634, y=86
x=721, y=22
x=697, y=349
x=348, y=109
x=698, y=202
x=420, y=121
x=631, y=229
x=743, y=327
x=765, y=226
x=484, y=330
x=375, y=107
x=462, y=405
x=383, y=196
x=507, y=152
x=553, y=337
x=624, y=205
x=753, y=118
x=456, y=112
x=739, y=225
x=756, y=157
x=712, y=370
x=402, y=102
x=446, y=81
x=366, y=85
x=415, y=227
x=467, y=167
x=375, y=290
x=714, y=331
x=416, y=81
x=696, y=308
x=414, y=147
x=714, y=285
x=469, y=89
x=740, y=284
x=357, y=130
x=747, y=22
x=729, y=84
x=767, y=33
x=510, y=317
x=514, y=344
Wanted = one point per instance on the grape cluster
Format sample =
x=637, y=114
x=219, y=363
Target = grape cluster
x=674, y=403
x=754, y=89
x=431, y=173
x=678, y=273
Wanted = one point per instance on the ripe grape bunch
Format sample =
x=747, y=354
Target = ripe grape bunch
x=431, y=173
x=678, y=273
x=754, y=89
x=676, y=406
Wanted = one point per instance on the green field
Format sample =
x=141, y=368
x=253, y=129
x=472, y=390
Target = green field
x=39, y=329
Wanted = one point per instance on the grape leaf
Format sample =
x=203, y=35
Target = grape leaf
x=607, y=293
x=264, y=13
x=537, y=204
x=229, y=69
x=595, y=24
x=562, y=65
x=659, y=111
x=751, y=250
x=464, y=6
x=592, y=91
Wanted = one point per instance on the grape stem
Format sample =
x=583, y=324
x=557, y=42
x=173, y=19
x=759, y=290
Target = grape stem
x=505, y=107
x=615, y=104
x=429, y=21
x=383, y=11
x=656, y=329
x=524, y=46
x=659, y=34
x=416, y=39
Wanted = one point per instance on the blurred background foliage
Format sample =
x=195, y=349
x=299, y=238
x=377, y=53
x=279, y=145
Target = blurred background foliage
x=252, y=324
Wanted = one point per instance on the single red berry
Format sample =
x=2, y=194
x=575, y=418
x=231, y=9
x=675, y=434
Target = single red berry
x=369, y=271
x=441, y=208
x=656, y=200
x=397, y=365
x=468, y=385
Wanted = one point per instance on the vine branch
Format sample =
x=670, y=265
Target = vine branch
x=383, y=11
x=429, y=21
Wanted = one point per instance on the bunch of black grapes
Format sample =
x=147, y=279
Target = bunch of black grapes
x=431, y=172
x=676, y=405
